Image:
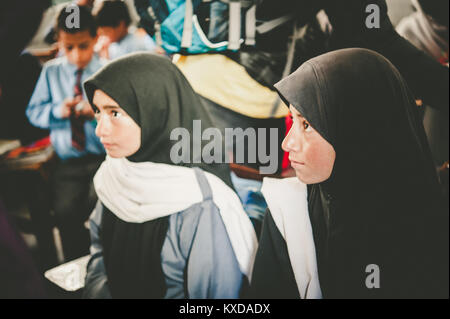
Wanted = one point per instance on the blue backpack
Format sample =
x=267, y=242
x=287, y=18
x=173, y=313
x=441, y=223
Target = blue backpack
x=204, y=26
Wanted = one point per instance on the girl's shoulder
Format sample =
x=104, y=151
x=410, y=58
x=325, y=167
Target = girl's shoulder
x=201, y=212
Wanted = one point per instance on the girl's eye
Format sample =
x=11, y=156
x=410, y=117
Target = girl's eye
x=306, y=126
x=116, y=114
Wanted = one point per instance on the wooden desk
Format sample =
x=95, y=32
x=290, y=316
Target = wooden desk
x=249, y=173
x=46, y=54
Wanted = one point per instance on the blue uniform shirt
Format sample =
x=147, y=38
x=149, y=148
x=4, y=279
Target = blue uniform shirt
x=129, y=44
x=55, y=84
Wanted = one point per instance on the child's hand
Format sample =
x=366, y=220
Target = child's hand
x=69, y=106
x=84, y=109
x=103, y=44
x=159, y=50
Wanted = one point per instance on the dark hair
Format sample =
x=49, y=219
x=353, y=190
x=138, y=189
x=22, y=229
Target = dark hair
x=87, y=21
x=111, y=13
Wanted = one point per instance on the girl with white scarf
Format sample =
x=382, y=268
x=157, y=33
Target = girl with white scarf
x=160, y=230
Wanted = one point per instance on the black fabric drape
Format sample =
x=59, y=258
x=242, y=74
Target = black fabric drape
x=382, y=204
x=273, y=277
x=132, y=256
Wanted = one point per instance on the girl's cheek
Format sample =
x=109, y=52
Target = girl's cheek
x=323, y=157
x=310, y=153
x=313, y=155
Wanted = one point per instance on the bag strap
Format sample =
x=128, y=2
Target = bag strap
x=186, y=39
x=234, y=26
x=272, y=24
x=250, y=26
x=204, y=184
x=157, y=24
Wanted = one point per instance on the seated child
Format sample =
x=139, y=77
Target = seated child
x=365, y=217
x=113, y=19
x=160, y=229
x=58, y=104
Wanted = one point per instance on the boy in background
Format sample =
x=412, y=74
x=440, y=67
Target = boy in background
x=113, y=19
x=59, y=104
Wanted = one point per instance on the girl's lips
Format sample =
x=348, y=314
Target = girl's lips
x=107, y=145
x=296, y=163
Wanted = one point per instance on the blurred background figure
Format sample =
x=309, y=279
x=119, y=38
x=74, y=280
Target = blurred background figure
x=427, y=29
x=19, y=277
x=59, y=104
x=45, y=37
x=116, y=40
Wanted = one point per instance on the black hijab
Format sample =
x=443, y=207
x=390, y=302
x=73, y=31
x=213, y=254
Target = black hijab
x=382, y=204
x=159, y=99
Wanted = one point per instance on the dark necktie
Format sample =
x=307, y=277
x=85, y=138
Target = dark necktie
x=77, y=123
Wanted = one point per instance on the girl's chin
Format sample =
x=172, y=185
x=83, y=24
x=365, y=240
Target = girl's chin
x=302, y=178
x=113, y=154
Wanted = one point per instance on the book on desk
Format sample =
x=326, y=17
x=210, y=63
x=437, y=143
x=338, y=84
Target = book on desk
x=8, y=145
x=14, y=156
x=69, y=276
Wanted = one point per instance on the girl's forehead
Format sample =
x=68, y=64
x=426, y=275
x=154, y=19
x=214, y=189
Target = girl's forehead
x=102, y=99
x=294, y=111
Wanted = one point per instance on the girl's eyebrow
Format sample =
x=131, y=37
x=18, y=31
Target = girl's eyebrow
x=296, y=113
x=109, y=107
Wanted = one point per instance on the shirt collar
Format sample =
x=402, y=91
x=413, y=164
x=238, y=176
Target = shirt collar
x=93, y=65
x=89, y=69
x=125, y=38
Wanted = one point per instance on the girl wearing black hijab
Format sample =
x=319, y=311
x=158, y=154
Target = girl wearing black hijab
x=371, y=223
x=160, y=230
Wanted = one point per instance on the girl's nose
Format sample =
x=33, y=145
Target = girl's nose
x=103, y=127
x=290, y=141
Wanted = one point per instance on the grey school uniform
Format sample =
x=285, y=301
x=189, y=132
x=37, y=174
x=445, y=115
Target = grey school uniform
x=185, y=255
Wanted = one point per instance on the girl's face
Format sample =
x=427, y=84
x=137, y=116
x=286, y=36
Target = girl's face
x=311, y=156
x=118, y=132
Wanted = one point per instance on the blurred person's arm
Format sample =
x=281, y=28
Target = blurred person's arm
x=42, y=111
